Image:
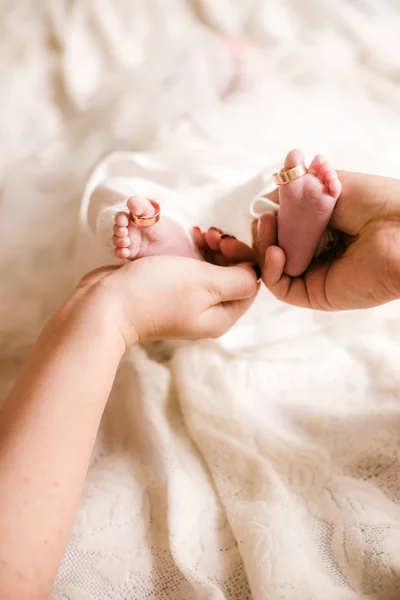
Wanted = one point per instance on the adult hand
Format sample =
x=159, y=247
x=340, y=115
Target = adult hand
x=167, y=297
x=364, y=270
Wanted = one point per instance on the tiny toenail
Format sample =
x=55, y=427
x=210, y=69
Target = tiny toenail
x=216, y=229
x=226, y=236
x=257, y=271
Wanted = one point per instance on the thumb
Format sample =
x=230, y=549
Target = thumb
x=228, y=284
x=266, y=236
x=233, y=294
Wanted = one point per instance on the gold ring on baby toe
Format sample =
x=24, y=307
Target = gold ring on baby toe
x=287, y=175
x=146, y=221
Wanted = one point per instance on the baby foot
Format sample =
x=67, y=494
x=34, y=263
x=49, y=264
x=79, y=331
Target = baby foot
x=305, y=208
x=165, y=237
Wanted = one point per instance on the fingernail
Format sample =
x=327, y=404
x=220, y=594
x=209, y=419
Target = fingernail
x=216, y=229
x=227, y=237
x=195, y=228
x=257, y=271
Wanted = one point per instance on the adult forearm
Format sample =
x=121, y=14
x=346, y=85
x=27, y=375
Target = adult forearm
x=47, y=431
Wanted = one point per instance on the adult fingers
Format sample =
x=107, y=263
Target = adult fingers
x=202, y=246
x=199, y=237
x=213, y=237
x=236, y=251
x=266, y=236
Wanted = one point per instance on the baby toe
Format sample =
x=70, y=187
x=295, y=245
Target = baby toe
x=321, y=174
x=294, y=158
x=335, y=187
x=330, y=175
x=120, y=231
x=122, y=253
x=330, y=179
x=316, y=163
x=140, y=206
x=325, y=167
x=138, y=241
x=121, y=242
x=122, y=219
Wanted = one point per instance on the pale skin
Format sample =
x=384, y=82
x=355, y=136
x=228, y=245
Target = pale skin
x=69, y=374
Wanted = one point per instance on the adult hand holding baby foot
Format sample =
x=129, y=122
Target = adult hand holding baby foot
x=364, y=269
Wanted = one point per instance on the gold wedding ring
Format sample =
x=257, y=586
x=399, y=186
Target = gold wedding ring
x=287, y=175
x=147, y=221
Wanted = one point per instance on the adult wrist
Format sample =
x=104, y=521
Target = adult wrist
x=90, y=317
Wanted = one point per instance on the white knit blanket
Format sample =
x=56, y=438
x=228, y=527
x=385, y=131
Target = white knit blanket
x=271, y=472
